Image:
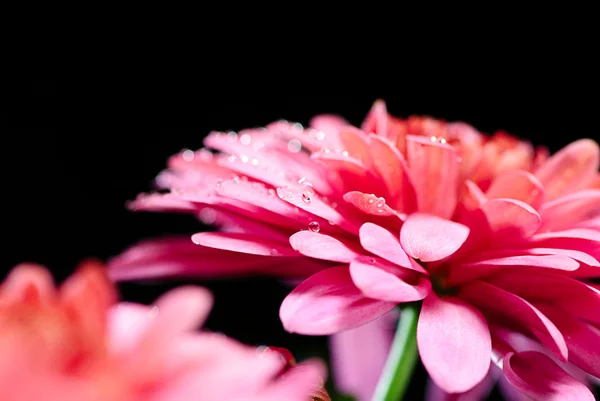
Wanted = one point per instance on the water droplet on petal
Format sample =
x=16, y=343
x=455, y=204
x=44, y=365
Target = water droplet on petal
x=380, y=202
x=314, y=226
x=244, y=159
x=280, y=193
x=208, y=215
x=372, y=260
x=441, y=140
x=334, y=205
x=294, y=146
x=236, y=179
x=255, y=162
x=320, y=135
x=345, y=153
x=271, y=192
x=232, y=159
x=245, y=139
x=297, y=127
x=274, y=252
x=433, y=139
x=188, y=155
x=371, y=201
x=380, y=211
x=327, y=151
x=218, y=183
x=258, y=145
x=306, y=196
x=301, y=180
x=232, y=136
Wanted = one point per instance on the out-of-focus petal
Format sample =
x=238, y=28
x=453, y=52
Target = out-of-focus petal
x=519, y=185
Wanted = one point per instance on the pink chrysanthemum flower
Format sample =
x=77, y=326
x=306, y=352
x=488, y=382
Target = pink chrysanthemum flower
x=499, y=240
x=77, y=344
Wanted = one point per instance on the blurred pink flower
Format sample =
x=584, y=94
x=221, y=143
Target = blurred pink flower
x=494, y=236
x=77, y=344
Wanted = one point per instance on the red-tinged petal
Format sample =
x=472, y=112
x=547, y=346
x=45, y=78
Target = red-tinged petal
x=540, y=378
x=377, y=119
x=581, y=239
x=243, y=243
x=393, y=170
x=369, y=203
x=303, y=382
x=559, y=262
x=572, y=168
x=569, y=210
x=27, y=282
x=477, y=393
x=383, y=243
x=565, y=293
x=511, y=310
x=519, y=185
x=454, y=343
x=356, y=143
x=583, y=340
x=322, y=246
x=473, y=197
x=329, y=302
x=511, y=218
x=430, y=238
x=437, y=168
x=347, y=173
x=381, y=280
x=356, y=369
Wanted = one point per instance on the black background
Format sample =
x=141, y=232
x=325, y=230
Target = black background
x=76, y=151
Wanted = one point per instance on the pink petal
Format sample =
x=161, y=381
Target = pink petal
x=383, y=243
x=506, y=308
x=572, y=168
x=243, y=243
x=519, y=185
x=381, y=280
x=169, y=257
x=377, y=119
x=477, y=393
x=127, y=324
x=329, y=302
x=568, y=210
x=437, y=168
x=369, y=203
x=161, y=203
x=323, y=247
x=25, y=281
x=583, y=340
x=393, y=170
x=454, y=343
x=540, y=378
x=566, y=293
x=356, y=368
x=473, y=198
x=511, y=218
x=356, y=143
x=328, y=123
x=430, y=238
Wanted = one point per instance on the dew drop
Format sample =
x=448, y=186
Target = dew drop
x=327, y=151
x=236, y=179
x=255, y=162
x=441, y=140
x=280, y=193
x=232, y=136
x=297, y=127
x=232, y=159
x=153, y=312
x=334, y=205
x=380, y=203
x=306, y=196
x=218, y=183
x=433, y=139
x=314, y=226
x=245, y=139
x=345, y=153
x=380, y=211
x=372, y=261
x=294, y=146
x=371, y=201
x=208, y=215
x=188, y=155
x=320, y=135
x=258, y=145
x=274, y=252
x=271, y=192
x=244, y=159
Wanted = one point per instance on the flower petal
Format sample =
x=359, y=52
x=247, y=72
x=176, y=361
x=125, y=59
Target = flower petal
x=509, y=309
x=393, y=170
x=540, y=378
x=437, y=167
x=329, y=302
x=571, y=209
x=27, y=282
x=572, y=168
x=384, y=244
x=322, y=246
x=430, y=238
x=454, y=343
x=583, y=340
x=243, y=243
x=356, y=369
x=511, y=218
x=519, y=185
x=477, y=393
x=565, y=293
x=381, y=280
x=369, y=203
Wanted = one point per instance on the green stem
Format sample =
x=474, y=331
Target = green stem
x=402, y=358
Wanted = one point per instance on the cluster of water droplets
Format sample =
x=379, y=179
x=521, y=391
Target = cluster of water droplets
x=439, y=139
x=201, y=154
